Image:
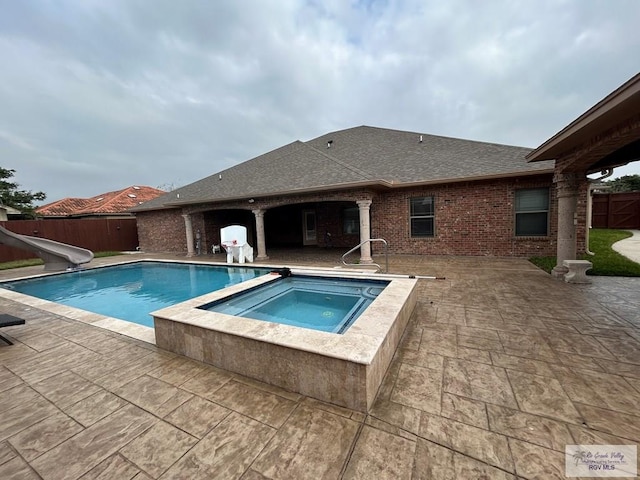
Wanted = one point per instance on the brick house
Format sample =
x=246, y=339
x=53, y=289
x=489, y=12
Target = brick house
x=423, y=194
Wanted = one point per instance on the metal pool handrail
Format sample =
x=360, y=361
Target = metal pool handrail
x=386, y=254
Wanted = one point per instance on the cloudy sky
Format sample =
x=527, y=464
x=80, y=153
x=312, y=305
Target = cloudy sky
x=98, y=95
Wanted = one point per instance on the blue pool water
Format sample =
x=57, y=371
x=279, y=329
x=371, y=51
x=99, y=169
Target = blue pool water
x=326, y=304
x=130, y=292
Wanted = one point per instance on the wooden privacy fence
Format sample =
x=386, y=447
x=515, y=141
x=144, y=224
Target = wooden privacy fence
x=616, y=210
x=98, y=235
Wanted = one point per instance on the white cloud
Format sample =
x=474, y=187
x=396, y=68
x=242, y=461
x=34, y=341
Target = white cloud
x=101, y=95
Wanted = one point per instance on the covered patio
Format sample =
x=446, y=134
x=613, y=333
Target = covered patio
x=500, y=368
x=331, y=220
x=603, y=138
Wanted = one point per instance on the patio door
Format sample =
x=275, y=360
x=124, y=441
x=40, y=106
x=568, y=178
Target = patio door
x=309, y=234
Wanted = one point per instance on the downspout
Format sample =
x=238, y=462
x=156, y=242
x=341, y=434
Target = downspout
x=605, y=174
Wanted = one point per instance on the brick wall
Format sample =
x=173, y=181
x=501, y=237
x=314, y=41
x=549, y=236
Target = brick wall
x=161, y=231
x=471, y=218
x=331, y=220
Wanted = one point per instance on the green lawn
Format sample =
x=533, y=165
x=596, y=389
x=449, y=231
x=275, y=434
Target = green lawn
x=606, y=261
x=36, y=261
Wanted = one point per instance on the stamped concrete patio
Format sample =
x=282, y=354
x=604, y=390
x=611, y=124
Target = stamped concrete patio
x=500, y=367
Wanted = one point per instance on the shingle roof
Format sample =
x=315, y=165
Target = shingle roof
x=120, y=201
x=356, y=156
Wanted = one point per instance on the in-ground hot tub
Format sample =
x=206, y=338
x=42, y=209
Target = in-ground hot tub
x=344, y=368
x=319, y=303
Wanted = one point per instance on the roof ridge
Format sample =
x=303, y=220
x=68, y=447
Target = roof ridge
x=60, y=204
x=291, y=145
x=366, y=175
x=361, y=154
x=113, y=198
x=397, y=130
x=108, y=201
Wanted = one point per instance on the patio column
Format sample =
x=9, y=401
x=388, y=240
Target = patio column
x=262, y=249
x=188, y=227
x=567, y=191
x=365, y=231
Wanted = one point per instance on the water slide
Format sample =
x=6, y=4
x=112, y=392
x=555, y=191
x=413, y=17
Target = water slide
x=56, y=255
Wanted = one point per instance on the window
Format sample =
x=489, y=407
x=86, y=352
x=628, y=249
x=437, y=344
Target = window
x=532, y=212
x=421, y=217
x=351, y=221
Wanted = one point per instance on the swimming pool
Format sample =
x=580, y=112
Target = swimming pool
x=132, y=291
x=319, y=303
x=345, y=369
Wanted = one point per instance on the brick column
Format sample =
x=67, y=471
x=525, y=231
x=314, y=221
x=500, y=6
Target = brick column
x=188, y=227
x=365, y=231
x=262, y=249
x=567, y=191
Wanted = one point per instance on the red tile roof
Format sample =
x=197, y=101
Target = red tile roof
x=109, y=203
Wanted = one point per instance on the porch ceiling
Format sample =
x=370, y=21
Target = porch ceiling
x=606, y=136
x=622, y=156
